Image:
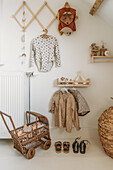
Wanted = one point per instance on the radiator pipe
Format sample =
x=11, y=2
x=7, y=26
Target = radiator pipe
x=29, y=74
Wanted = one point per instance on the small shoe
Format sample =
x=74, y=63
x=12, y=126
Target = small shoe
x=76, y=145
x=66, y=146
x=83, y=146
x=58, y=146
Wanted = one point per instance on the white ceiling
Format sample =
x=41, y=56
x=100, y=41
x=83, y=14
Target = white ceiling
x=105, y=11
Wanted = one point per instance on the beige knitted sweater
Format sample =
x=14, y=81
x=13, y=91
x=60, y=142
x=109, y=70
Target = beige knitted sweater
x=64, y=107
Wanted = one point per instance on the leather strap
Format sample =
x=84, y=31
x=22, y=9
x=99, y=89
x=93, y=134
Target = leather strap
x=67, y=5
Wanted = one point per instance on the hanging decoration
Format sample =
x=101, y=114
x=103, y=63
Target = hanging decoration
x=23, y=55
x=23, y=27
x=66, y=18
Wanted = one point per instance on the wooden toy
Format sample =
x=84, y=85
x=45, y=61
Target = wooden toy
x=94, y=49
x=102, y=50
x=27, y=139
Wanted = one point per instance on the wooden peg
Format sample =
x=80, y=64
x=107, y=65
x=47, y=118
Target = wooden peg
x=45, y=3
x=24, y=2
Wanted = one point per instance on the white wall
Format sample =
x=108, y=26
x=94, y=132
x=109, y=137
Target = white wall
x=74, y=52
x=0, y=27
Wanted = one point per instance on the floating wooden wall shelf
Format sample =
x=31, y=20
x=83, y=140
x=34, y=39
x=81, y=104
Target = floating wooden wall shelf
x=82, y=84
x=102, y=59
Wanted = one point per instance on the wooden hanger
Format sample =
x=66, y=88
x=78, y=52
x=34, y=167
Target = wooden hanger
x=45, y=34
x=64, y=90
x=73, y=88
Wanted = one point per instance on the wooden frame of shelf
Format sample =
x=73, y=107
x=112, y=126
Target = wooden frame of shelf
x=102, y=59
x=66, y=84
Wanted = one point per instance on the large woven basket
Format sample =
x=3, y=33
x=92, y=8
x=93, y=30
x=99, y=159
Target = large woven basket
x=105, y=127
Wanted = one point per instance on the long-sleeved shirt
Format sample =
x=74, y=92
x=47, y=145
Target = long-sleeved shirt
x=44, y=53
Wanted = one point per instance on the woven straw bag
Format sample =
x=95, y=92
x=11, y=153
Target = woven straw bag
x=105, y=128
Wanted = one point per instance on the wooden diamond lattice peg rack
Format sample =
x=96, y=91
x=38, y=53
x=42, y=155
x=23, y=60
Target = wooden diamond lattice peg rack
x=55, y=17
x=34, y=16
x=95, y=6
x=24, y=4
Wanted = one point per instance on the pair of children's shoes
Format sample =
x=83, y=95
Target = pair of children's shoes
x=58, y=146
x=79, y=146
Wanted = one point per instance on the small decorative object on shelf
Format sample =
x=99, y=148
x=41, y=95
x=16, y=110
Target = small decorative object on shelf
x=78, y=82
x=79, y=78
x=107, y=53
x=102, y=50
x=70, y=81
x=105, y=128
x=100, y=55
x=94, y=49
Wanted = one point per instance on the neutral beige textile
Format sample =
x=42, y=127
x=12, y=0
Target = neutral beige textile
x=64, y=106
x=56, y=108
x=82, y=106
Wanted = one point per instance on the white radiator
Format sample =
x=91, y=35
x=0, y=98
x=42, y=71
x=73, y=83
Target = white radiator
x=11, y=99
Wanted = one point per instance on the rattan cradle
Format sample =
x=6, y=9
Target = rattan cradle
x=40, y=136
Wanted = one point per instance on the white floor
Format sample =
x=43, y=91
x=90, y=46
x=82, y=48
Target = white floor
x=94, y=159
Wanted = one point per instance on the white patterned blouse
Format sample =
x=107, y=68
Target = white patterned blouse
x=44, y=53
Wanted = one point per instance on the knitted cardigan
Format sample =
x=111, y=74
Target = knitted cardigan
x=64, y=107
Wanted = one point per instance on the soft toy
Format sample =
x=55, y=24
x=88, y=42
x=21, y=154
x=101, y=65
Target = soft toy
x=22, y=135
x=94, y=49
x=66, y=18
x=38, y=125
x=28, y=129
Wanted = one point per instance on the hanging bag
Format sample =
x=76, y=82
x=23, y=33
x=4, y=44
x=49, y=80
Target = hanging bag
x=66, y=18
